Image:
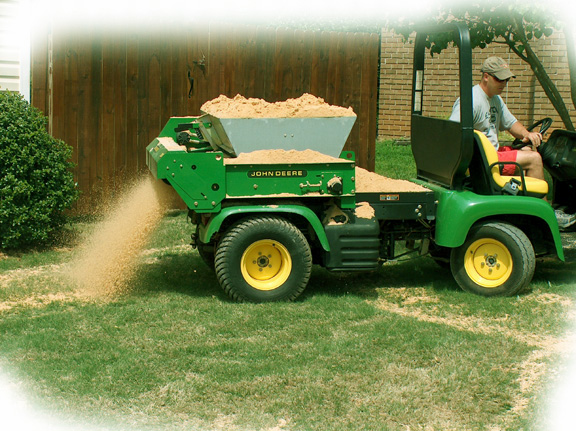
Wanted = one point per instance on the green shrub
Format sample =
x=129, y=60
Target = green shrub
x=36, y=182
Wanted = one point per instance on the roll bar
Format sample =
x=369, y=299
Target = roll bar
x=443, y=149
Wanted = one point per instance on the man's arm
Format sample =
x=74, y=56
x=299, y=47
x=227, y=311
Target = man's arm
x=519, y=131
x=455, y=116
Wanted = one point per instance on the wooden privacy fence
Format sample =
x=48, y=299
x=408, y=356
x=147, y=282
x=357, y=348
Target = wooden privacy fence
x=108, y=95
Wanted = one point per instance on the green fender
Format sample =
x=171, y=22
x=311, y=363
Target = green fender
x=215, y=223
x=459, y=210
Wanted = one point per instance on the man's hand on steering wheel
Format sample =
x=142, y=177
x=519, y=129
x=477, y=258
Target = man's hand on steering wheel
x=533, y=138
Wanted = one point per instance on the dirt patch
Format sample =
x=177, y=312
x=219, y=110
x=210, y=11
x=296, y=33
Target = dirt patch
x=548, y=298
x=459, y=322
x=37, y=301
x=22, y=274
x=412, y=296
x=305, y=106
x=531, y=371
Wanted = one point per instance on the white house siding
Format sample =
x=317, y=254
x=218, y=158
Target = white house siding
x=14, y=48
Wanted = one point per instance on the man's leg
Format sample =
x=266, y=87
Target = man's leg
x=531, y=162
x=506, y=154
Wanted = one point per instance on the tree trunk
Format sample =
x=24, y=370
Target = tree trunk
x=571, y=52
x=543, y=78
x=549, y=88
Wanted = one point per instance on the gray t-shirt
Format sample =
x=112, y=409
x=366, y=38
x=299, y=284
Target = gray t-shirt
x=490, y=114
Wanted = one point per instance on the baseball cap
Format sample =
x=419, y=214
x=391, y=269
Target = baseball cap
x=498, y=67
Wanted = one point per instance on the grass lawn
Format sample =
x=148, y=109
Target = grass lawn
x=402, y=348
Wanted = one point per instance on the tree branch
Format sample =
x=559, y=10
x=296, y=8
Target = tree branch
x=571, y=51
x=543, y=78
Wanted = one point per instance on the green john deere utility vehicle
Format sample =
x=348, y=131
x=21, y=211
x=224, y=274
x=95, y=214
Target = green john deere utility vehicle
x=261, y=226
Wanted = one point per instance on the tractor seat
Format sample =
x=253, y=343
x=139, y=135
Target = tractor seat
x=527, y=186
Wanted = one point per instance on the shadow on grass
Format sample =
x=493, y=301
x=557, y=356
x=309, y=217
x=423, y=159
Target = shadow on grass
x=411, y=273
x=556, y=272
x=179, y=273
x=187, y=274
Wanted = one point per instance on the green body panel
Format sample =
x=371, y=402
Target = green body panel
x=458, y=210
x=299, y=180
x=198, y=177
x=203, y=180
x=206, y=232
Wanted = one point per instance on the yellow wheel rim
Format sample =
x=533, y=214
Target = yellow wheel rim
x=266, y=264
x=488, y=262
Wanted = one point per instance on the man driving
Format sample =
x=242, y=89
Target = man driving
x=491, y=116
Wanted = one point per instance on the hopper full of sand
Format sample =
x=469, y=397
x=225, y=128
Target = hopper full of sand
x=243, y=125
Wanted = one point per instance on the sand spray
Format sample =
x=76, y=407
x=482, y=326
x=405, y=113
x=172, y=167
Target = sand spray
x=108, y=258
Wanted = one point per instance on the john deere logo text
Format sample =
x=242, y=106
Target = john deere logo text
x=277, y=173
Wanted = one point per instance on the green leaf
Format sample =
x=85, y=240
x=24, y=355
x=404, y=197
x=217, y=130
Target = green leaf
x=435, y=50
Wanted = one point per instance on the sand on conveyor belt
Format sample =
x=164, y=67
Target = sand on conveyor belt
x=305, y=106
x=108, y=258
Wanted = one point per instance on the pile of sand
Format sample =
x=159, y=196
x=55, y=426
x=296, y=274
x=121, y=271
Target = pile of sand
x=305, y=106
x=364, y=210
x=370, y=182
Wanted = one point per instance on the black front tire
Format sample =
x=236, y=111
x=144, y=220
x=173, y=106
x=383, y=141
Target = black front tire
x=497, y=259
x=263, y=259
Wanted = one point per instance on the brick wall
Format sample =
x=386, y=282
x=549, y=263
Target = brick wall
x=524, y=96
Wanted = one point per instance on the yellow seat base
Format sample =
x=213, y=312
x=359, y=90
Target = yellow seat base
x=534, y=186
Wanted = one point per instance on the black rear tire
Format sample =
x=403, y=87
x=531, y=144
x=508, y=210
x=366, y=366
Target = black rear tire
x=263, y=259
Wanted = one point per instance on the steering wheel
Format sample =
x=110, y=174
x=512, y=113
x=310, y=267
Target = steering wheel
x=544, y=124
